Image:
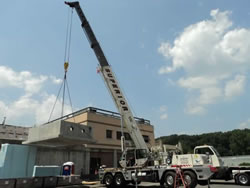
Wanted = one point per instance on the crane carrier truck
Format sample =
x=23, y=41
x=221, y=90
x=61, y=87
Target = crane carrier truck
x=136, y=163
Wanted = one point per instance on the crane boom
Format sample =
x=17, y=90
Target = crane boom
x=111, y=82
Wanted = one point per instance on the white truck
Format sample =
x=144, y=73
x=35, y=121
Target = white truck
x=241, y=174
x=137, y=162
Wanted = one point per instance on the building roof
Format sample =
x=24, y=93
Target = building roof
x=101, y=112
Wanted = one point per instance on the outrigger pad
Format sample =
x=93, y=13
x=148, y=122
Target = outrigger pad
x=60, y=133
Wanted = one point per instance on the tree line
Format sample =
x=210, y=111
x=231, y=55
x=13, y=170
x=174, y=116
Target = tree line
x=236, y=142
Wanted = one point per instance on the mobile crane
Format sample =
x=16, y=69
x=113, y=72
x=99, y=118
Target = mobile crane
x=141, y=149
x=119, y=177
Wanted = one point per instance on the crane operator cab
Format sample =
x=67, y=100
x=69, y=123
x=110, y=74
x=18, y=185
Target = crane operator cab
x=134, y=157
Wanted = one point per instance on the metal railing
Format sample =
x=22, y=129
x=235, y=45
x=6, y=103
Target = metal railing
x=101, y=112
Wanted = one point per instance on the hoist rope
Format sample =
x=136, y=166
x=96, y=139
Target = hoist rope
x=64, y=80
x=55, y=102
x=68, y=35
x=70, y=99
x=66, y=64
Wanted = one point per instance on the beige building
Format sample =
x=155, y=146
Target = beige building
x=106, y=131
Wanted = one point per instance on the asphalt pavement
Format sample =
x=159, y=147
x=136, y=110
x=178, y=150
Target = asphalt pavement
x=214, y=184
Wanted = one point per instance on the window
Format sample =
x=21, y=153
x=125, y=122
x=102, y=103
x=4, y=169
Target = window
x=118, y=135
x=146, y=138
x=126, y=135
x=204, y=151
x=108, y=133
x=141, y=153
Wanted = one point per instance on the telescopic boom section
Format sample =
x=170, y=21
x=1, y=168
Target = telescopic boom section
x=111, y=81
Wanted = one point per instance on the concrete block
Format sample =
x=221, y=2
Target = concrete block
x=41, y=171
x=49, y=182
x=63, y=180
x=76, y=180
x=37, y=182
x=68, y=180
x=7, y=183
x=60, y=133
x=24, y=182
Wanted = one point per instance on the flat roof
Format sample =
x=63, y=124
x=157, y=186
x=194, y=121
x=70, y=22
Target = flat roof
x=101, y=112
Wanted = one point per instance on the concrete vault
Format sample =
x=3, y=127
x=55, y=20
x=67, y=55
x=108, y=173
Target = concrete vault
x=60, y=134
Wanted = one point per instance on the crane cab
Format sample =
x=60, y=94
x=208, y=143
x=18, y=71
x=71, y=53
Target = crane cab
x=212, y=152
x=134, y=157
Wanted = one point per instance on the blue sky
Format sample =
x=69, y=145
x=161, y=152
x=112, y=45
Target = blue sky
x=184, y=65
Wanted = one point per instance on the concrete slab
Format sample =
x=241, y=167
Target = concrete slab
x=59, y=134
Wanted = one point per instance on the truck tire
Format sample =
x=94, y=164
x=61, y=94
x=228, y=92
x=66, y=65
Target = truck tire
x=243, y=179
x=169, y=179
x=190, y=179
x=119, y=180
x=108, y=180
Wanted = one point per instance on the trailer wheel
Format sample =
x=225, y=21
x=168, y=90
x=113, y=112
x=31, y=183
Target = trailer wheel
x=169, y=179
x=243, y=179
x=119, y=180
x=108, y=180
x=190, y=179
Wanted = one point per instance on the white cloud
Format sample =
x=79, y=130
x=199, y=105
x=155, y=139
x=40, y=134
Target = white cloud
x=192, y=109
x=235, y=87
x=24, y=79
x=164, y=116
x=45, y=108
x=55, y=80
x=163, y=111
x=209, y=95
x=33, y=106
x=197, y=82
x=214, y=57
x=245, y=125
x=26, y=110
x=163, y=108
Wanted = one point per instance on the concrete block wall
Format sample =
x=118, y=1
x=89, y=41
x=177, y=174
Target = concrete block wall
x=9, y=132
x=57, y=156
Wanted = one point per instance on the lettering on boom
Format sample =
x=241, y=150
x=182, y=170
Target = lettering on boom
x=115, y=89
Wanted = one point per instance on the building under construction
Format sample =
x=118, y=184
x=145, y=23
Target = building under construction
x=105, y=149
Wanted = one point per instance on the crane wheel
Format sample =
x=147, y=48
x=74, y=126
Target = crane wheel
x=169, y=179
x=119, y=180
x=190, y=179
x=108, y=180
